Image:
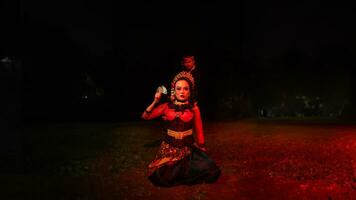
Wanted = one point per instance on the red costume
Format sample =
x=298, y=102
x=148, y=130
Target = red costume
x=178, y=160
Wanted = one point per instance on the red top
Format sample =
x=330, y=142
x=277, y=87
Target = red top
x=173, y=114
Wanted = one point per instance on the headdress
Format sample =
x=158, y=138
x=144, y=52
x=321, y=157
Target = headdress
x=183, y=75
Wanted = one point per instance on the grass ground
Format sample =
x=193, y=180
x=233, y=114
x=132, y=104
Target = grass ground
x=260, y=159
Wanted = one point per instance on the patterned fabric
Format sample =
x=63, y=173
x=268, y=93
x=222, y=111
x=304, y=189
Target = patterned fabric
x=194, y=168
x=168, y=154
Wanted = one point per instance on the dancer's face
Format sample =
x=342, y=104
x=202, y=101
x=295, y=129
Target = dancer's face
x=182, y=90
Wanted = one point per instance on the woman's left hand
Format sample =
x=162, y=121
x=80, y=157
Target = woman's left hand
x=201, y=147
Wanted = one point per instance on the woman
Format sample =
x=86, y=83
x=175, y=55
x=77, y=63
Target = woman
x=180, y=160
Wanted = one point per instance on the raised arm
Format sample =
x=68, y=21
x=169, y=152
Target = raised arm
x=151, y=111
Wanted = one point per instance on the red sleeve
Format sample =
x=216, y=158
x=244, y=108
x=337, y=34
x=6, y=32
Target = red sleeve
x=156, y=112
x=198, y=125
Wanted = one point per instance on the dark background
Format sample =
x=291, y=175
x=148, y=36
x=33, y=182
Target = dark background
x=102, y=61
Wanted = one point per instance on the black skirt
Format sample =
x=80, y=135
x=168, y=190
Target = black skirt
x=195, y=168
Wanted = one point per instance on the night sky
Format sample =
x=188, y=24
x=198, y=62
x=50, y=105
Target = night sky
x=103, y=61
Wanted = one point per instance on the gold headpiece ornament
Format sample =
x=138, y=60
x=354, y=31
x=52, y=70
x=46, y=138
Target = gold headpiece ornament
x=183, y=75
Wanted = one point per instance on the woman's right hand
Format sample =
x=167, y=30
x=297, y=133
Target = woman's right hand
x=158, y=96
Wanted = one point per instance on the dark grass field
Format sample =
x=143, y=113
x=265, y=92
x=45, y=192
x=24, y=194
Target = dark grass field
x=260, y=159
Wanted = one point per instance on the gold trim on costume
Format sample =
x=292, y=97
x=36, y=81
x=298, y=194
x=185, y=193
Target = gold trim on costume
x=179, y=134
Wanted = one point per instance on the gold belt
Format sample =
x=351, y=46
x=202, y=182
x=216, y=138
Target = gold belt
x=179, y=134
